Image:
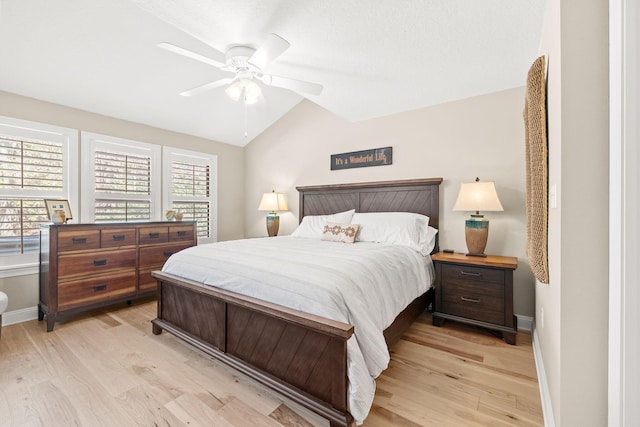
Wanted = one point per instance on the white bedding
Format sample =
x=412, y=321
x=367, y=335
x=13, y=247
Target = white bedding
x=363, y=284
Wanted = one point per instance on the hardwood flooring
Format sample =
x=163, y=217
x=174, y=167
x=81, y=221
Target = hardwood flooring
x=105, y=368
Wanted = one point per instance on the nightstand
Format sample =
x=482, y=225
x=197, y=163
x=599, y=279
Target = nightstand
x=477, y=291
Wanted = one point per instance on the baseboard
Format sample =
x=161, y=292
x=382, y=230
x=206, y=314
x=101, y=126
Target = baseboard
x=545, y=396
x=525, y=323
x=19, y=316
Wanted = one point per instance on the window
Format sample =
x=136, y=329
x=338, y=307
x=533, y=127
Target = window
x=189, y=182
x=35, y=164
x=122, y=180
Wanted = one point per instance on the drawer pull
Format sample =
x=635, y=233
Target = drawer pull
x=182, y=233
x=470, y=299
x=154, y=235
x=78, y=240
x=168, y=253
x=467, y=273
x=118, y=237
x=98, y=262
x=101, y=287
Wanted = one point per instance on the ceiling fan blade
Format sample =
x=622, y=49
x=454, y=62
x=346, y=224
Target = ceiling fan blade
x=208, y=86
x=293, y=84
x=190, y=54
x=270, y=50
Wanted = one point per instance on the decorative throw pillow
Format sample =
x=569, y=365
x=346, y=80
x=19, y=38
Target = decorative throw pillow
x=345, y=233
x=313, y=225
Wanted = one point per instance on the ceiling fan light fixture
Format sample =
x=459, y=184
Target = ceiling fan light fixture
x=247, y=90
x=235, y=90
x=252, y=92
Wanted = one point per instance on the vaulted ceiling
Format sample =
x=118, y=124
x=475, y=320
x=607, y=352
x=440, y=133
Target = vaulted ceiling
x=373, y=57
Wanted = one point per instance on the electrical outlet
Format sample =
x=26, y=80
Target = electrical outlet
x=542, y=318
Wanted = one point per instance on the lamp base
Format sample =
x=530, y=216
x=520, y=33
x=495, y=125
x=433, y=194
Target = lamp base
x=273, y=224
x=476, y=232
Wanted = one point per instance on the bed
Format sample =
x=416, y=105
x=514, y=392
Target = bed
x=301, y=355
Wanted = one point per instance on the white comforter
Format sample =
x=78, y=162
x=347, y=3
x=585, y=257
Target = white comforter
x=363, y=284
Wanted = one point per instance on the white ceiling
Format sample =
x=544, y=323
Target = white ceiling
x=373, y=57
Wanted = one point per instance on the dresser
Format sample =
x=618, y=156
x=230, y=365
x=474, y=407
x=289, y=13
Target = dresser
x=85, y=266
x=477, y=291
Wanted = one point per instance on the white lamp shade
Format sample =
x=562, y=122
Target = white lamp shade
x=478, y=196
x=273, y=202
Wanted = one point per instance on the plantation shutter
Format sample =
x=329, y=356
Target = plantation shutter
x=191, y=193
x=122, y=187
x=30, y=171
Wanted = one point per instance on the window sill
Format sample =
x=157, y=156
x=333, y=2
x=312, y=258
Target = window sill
x=18, y=270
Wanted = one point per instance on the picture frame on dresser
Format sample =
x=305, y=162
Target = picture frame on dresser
x=58, y=205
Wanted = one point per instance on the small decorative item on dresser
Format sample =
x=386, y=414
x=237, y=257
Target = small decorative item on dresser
x=178, y=216
x=170, y=215
x=58, y=217
x=477, y=291
x=58, y=210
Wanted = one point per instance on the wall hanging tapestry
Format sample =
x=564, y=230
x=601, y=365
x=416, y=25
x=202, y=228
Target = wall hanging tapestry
x=537, y=158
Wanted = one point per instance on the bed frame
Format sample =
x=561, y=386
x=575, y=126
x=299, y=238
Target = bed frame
x=301, y=356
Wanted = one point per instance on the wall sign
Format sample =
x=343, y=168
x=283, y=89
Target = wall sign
x=361, y=159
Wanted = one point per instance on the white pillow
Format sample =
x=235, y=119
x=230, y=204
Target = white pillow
x=397, y=228
x=313, y=225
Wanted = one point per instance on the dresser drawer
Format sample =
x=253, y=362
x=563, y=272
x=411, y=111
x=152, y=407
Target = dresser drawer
x=484, y=303
x=112, y=237
x=181, y=233
x=146, y=282
x=95, y=289
x=471, y=274
x=97, y=262
x=156, y=256
x=78, y=240
x=150, y=235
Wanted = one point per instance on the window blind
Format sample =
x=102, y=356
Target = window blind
x=129, y=177
x=30, y=171
x=191, y=193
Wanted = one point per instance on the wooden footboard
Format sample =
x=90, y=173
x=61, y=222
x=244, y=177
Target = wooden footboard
x=301, y=356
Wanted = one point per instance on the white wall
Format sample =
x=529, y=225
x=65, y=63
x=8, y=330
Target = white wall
x=23, y=290
x=481, y=136
x=573, y=334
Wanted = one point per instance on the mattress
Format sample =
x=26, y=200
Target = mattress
x=363, y=284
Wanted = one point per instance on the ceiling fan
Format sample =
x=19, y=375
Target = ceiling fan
x=247, y=64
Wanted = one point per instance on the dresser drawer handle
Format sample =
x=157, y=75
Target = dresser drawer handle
x=101, y=287
x=168, y=253
x=182, y=233
x=466, y=273
x=118, y=237
x=470, y=299
x=78, y=240
x=98, y=262
x=154, y=235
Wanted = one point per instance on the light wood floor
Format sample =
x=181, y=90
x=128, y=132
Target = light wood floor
x=107, y=369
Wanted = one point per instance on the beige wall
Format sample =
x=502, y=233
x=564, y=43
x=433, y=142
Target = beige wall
x=481, y=136
x=22, y=291
x=571, y=312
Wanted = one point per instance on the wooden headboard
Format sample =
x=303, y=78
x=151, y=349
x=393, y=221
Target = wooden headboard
x=416, y=195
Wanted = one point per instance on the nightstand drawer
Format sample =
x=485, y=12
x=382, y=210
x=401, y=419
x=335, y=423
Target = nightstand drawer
x=471, y=274
x=485, y=304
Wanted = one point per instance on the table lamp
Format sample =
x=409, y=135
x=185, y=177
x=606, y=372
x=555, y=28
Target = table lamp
x=477, y=196
x=273, y=202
